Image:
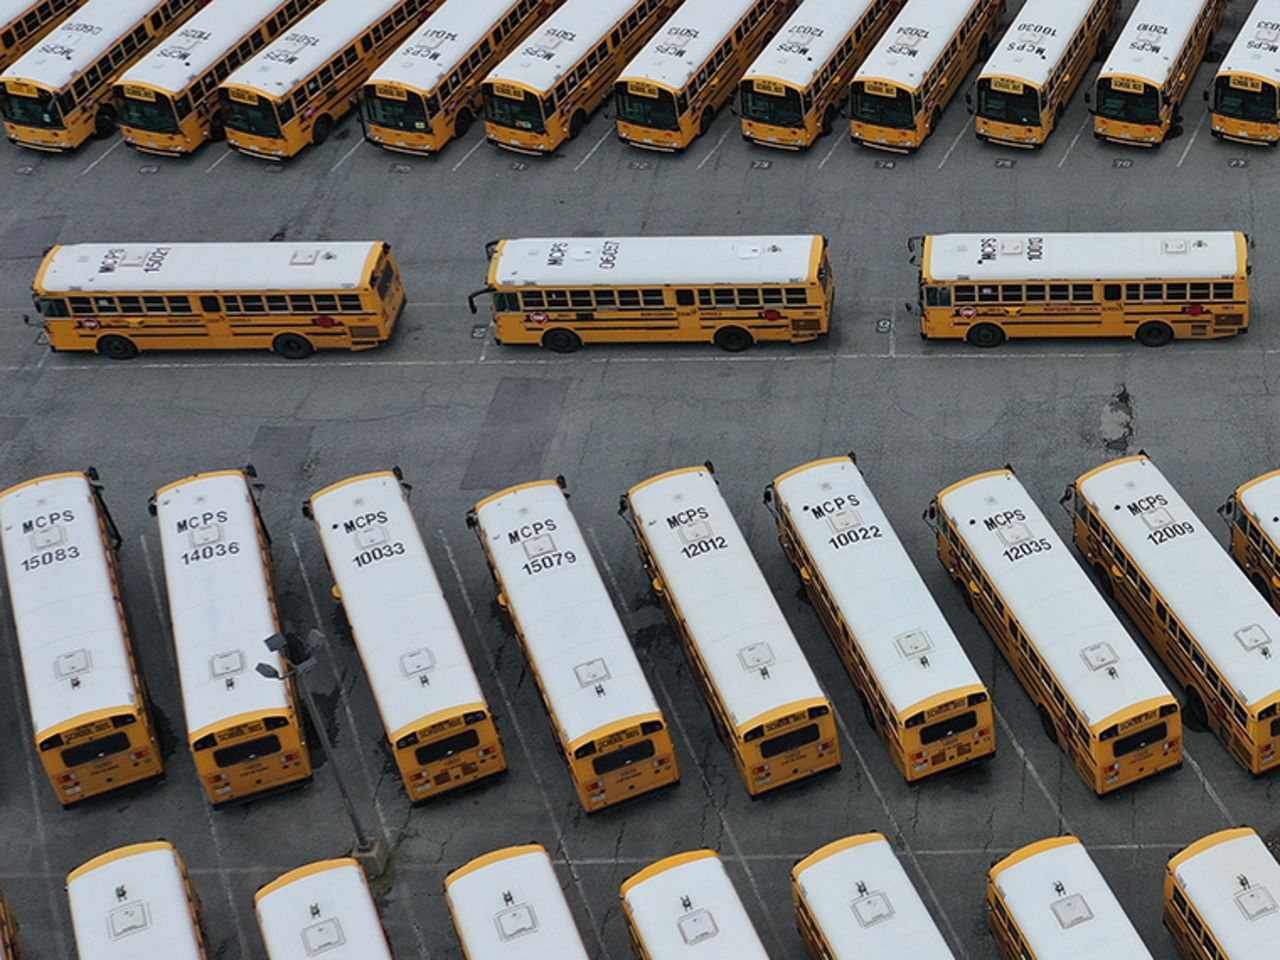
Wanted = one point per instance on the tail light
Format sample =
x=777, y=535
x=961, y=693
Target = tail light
x=983, y=733
x=761, y=772
x=67, y=778
x=219, y=778
x=1171, y=745
x=826, y=746
x=595, y=786
x=139, y=755
x=418, y=777
x=291, y=757
x=662, y=762
x=488, y=751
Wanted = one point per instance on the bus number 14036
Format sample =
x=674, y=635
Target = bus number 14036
x=210, y=551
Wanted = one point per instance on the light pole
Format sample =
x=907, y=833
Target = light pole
x=371, y=851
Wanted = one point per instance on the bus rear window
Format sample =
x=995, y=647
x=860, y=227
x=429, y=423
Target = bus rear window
x=444, y=749
x=632, y=753
x=948, y=727
x=1141, y=740
x=239, y=753
x=791, y=740
x=384, y=281
x=92, y=750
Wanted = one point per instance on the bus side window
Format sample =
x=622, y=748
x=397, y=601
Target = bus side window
x=1111, y=291
x=938, y=296
x=684, y=298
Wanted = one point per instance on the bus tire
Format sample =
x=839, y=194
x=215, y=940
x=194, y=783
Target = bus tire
x=320, y=132
x=217, y=127
x=462, y=123
x=732, y=339
x=577, y=124
x=104, y=124
x=985, y=335
x=1046, y=724
x=829, y=119
x=935, y=118
x=984, y=47
x=1153, y=333
x=116, y=347
x=1261, y=584
x=704, y=125
x=1195, y=715
x=560, y=340
x=292, y=346
x=866, y=711
x=1104, y=581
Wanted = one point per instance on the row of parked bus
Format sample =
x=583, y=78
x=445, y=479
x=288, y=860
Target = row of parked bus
x=853, y=900
x=273, y=76
x=1099, y=699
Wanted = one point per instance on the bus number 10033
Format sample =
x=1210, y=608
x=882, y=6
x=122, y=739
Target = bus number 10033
x=382, y=552
x=210, y=551
x=549, y=561
x=847, y=538
x=1028, y=548
x=1165, y=534
x=38, y=560
x=705, y=545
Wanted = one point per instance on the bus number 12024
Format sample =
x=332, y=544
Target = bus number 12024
x=210, y=551
x=382, y=552
x=549, y=561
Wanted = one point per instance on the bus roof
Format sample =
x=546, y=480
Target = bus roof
x=1261, y=498
x=322, y=908
x=509, y=905
x=1063, y=906
x=808, y=40
x=1152, y=38
x=220, y=606
x=308, y=45
x=914, y=42
x=69, y=632
x=148, y=267
x=908, y=644
x=667, y=261
x=1234, y=883
x=403, y=627
x=1037, y=40
x=185, y=54
x=1084, y=256
x=132, y=902
x=570, y=626
x=686, y=905
x=1062, y=614
x=685, y=42
x=751, y=654
x=1236, y=627
x=440, y=44
x=1256, y=50
x=865, y=904
x=77, y=42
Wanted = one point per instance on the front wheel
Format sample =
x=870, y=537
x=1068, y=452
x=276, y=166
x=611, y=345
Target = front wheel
x=561, y=341
x=217, y=127
x=1047, y=725
x=292, y=346
x=1153, y=333
x=463, y=123
x=117, y=348
x=320, y=133
x=733, y=339
x=577, y=124
x=985, y=335
x=829, y=120
x=104, y=124
x=704, y=125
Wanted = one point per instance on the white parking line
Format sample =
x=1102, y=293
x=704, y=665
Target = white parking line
x=592, y=152
x=1075, y=140
x=214, y=166
x=467, y=156
x=952, y=149
x=1063, y=825
x=1208, y=787
x=1187, y=149
x=347, y=156
x=830, y=153
x=712, y=153
x=102, y=156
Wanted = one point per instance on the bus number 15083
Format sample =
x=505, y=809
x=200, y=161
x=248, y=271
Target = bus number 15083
x=49, y=557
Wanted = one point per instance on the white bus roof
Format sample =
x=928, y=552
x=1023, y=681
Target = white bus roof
x=663, y=261
x=570, y=626
x=77, y=42
x=808, y=40
x=865, y=905
x=914, y=42
x=220, y=606
x=401, y=621
x=185, y=54
x=1200, y=255
x=70, y=637
x=685, y=42
x=686, y=906
x=308, y=45
x=560, y=42
x=324, y=909
x=1037, y=39
x=1261, y=499
x=1256, y=50
x=184, y=267
x=909, y=645
x=508, y=905
x=1152, y=38
x=1215, y=602
x=1073, y=630
x=131, y=903
x=751, y=654
x=1234, y=885
x=441, y=43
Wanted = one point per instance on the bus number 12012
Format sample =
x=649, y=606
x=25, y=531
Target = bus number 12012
x=847, y=538
x=382, y=552
x=210, y=551
x=705, y=545
x=549, y=561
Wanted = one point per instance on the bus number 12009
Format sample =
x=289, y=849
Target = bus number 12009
x=210, y=551
x=1165, y=534
x=374, y=554
x=549, y=561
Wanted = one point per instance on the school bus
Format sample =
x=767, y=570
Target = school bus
x=542, y=94
x=1197, y=609
x=320, y=907
x=918, y=689
x=885, y=919
x=293, y=298
x=1153, y=287
x=23, y=23
x=1220, y=896
x=793, y=92
x=243, y=728
x=58, y=94
x=685, y=906
x=1099, y=699
x=88, y=701
x=438, y=723
x=1049, y=901
x=1254, y=514
x=508, y=905
x=901, y=89
x=1150, y=69
x=669, y=94
x=602, y=712
x=729, y=291
x=767, y=705
x=136, y=901
x=1243, y=101
x=168, y=100
x=10, y=936
x=427, y=93
x=291, y=95
x=1025, y=87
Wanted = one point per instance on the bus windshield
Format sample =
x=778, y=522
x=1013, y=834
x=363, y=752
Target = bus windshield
x=656, y=113
x=156, y=115
x=779, y=110
x=37, y=111
x=1258, y=105
x=1004, y=106
x=1128, y=106
x=523, y=114
x=257, y=119
x=408, y=114
x=897, y=112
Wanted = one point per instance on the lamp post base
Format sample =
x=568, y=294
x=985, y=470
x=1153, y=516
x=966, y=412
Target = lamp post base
x=373, y=856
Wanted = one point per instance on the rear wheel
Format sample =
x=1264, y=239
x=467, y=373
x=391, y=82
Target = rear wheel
x=733, y=339
x=935, y=118
x=117, y=348
x=1153, y=333
x=561, y=341
x=1104, y=580
x=292, y=346
x=1260, y=582
x=985, y=335
x=1046, y=724
x=1195, y=715
x=324, y=127
x=708, y=117
x=577, y=124
x=104, y=124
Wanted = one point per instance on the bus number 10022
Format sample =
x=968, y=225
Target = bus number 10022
x=847, y=538
x=549, y=561
x=382, y=552
x=210, y=551
x=38, y=560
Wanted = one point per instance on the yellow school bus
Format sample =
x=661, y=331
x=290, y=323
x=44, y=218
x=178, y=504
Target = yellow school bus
x=903, y=86
x=543, y=93
x=794, y=91
x=1151, y=68
x=669, y=94
x=23, y=23
x=1244, y=101
x=168, y=100
x=318, y=907
x=58, y=94
x=10, y=936
x=293, y=298
x=1254, y=514
x=87, y=698
x=1025, y=87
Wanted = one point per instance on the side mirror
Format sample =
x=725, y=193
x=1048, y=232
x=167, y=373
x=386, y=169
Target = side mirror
x=968, y=99
x=909, y=308
x=1204, y=94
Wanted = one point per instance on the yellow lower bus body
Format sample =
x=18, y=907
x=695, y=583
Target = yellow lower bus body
x=445, y=754
x=793, y=325
x=1249, y=559
x=441, y=129
x=603, y=782
x=195, y=131
x=1214, y=322
x=235, y=778
x=1244, y=131
x=1134, y=134
x=762, y=774
x=101, y=753
x=61, y=139
x=1015, y=135
x=788, y=138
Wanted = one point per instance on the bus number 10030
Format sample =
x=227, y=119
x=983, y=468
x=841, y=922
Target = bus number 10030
x=383, y=552
x=38, y=560
x=210, y=551
x=549, y=561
